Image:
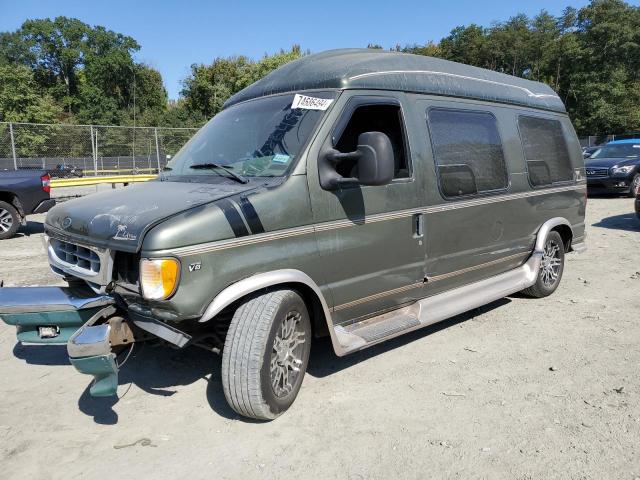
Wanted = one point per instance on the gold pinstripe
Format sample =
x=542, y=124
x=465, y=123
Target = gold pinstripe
x=435, y=278
x=375, y=218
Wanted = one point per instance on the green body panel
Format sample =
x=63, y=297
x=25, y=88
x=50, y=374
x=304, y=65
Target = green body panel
x=104, y=371
x=67, y=321
x=356, y=266
x=358, y=244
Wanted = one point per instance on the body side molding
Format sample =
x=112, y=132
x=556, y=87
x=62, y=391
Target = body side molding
x=424, y=312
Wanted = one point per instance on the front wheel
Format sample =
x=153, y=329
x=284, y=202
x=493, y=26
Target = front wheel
x=635, y=186
x=551, y=268
x=266, y=353
x=9, y=220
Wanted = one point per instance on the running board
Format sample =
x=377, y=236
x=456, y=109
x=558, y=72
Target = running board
x=436, y=308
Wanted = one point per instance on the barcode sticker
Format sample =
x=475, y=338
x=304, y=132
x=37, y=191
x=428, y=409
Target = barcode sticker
x=310, y=103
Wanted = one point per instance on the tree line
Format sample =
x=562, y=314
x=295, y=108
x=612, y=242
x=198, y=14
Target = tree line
x=63, y=70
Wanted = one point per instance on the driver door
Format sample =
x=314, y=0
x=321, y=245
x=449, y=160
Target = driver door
x=370, y=243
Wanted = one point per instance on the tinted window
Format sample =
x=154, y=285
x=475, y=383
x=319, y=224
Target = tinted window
x=545, y=150
x=375, y=118
x=468, y=152
x=625, y=150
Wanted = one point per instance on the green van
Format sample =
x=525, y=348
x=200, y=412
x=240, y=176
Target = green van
x=355, y=194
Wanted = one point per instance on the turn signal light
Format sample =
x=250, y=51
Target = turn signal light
x=159, y=277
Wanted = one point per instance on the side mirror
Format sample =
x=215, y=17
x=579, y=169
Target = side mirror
x=374, y=163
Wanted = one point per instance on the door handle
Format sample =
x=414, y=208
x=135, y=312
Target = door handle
x=418, y=225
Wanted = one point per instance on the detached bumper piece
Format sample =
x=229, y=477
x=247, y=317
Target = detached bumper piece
x=49, y=315
x=91, y=326
x=90, y=352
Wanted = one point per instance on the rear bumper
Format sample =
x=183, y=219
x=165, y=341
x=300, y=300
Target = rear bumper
x=45, y=206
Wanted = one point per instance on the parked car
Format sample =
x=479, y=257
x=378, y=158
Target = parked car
x=588, y=151
x=66, y=171
x=638, y=205
x=615, y=168
x=22, y=193
x=385, y=192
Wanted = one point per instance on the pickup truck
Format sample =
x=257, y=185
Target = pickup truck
x=22, y=193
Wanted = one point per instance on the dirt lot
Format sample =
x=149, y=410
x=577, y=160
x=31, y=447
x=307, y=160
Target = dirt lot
x=521, y=389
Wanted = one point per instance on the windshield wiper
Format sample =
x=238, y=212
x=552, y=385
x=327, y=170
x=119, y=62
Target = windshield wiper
x=210, y=166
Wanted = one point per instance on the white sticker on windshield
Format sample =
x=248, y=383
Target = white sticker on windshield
x=310, y=103
x=280, y=158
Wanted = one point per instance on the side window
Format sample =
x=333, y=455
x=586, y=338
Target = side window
x=468, y=152
x=375, y=118
x=545, y=150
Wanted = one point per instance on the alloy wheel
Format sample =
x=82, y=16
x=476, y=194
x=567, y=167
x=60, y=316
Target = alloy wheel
x=287, y=354
x=551, y=263
x=6, y=220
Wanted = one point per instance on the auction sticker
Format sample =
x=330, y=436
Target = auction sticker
x=310, y=103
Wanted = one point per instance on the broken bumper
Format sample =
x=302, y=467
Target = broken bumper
x=90, y=325
x=49, y=315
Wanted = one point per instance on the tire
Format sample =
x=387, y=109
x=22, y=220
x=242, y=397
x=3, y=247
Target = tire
x=635, y=186
x=257, y=332
x=549, y=275
x=9, y=220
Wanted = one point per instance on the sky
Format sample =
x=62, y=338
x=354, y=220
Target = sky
x=175, y=34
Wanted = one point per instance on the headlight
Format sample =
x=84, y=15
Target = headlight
x=159, y=277
x=624, y=170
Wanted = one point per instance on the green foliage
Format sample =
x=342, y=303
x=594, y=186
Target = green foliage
x=65, y=70
x=20, y=98
x=209, y=86
x=591, y=57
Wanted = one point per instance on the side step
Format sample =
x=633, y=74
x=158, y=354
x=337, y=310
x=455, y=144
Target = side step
x=434, y=309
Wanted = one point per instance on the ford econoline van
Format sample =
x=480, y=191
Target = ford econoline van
x=355, y=194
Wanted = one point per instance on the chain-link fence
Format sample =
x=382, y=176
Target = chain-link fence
x=595, y=140
x=79, y=150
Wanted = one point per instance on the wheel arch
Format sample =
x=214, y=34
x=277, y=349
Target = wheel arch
x=558, y=224
x=287, y=278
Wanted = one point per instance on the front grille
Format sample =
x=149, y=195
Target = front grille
x=81, y=257
x=126, y=268
x=597, y=172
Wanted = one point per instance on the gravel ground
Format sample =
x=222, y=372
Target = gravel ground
x=520, y=389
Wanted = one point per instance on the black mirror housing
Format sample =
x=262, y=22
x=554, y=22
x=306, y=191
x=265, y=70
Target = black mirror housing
x=375, y=163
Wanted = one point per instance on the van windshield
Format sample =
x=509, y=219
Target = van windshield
x=258, y=138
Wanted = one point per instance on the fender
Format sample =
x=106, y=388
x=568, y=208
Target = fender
x=260, y=281
x=544, y=230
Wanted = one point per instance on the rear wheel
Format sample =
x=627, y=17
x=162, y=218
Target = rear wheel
x=266, y=353
x=551, y=268
x=9, y=220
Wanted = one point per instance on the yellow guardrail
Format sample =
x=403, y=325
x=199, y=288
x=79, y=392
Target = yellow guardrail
x=85, y=181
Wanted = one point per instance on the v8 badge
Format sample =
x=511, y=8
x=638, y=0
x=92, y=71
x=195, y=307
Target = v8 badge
x=194, y=267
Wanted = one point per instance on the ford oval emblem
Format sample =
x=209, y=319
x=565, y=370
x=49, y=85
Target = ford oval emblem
x=66, y=223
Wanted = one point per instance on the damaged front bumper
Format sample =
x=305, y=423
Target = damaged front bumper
x=92, y=326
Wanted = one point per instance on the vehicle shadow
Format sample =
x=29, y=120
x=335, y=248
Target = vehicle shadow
x=53, y=355
x=324, y=362
x=157, y=370
x=31, y=228
x=627, y=221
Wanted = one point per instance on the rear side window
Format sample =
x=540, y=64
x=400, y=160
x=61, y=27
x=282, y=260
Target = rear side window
x=545, y=150
x=468, y=152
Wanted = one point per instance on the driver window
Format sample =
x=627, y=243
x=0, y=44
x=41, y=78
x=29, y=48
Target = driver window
x=375, y=118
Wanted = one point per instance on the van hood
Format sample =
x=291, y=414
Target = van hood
x=119, y=219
